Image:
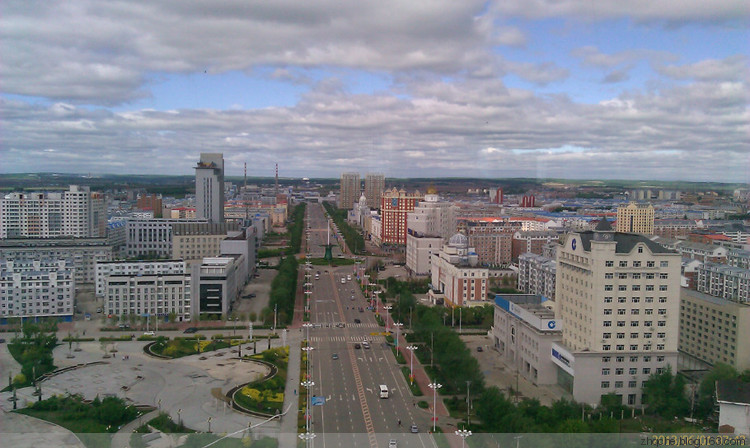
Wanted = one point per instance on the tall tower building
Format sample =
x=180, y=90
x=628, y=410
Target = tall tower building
x=430, y=224
x=350, y=190
x=374, y=187
x=209, y=187
x=395, y=206
x=618, y=295
x=636, y=218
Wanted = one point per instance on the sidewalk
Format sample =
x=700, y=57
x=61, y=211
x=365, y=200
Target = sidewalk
x=288, y=435
x=121, y=439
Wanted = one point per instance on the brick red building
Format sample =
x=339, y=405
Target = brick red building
x=394, y=207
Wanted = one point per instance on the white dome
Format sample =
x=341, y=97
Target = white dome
x=458, y=239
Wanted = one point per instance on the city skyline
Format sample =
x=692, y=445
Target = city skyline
x=471, y=89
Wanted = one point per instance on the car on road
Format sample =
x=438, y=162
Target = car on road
x=2, y=341
x=392, y=443
x=357, y=321
x=335, y=356
x=366, y=345
x=480, y=349
x=348, y=277
x=357, y=346
x=414, y=429
x=191, y=330
x=98, y=310
x=149, y=333
x=340, y=325
x=343, y=280
x=249, y=296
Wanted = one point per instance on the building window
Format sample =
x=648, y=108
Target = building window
x=606, y=335
x=605, y=384
x=608, y=275
x=608, y=287
x=663, y=264
x=605, y=371
x=633, y=359
x=607, y=311
x=636, y=264
x=620, y=359
x=605, y=359
x=618, y=384
x=607, y=323
x=636, y=287
x=623, y=264
x=647, y=370
x=650, y=264
x=609, y=263
x=622, y=287
x=606, y=348
x=608, y=299
x=620, y=347
x=619, y=371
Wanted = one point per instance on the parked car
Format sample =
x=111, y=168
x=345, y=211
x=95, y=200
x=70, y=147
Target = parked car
x=357, y=321
x=480, y=349
x=392, y=443
x=335, y=356
x=149, y=333
x=123, y=326
x=414, y=428
x=366, y=345
x=357, y=346
x=191, y=330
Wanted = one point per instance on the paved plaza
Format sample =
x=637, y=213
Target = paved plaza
x=186, y=384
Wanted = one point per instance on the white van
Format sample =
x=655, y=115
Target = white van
x=383, y=391
x=343, y=280
x=348, y=277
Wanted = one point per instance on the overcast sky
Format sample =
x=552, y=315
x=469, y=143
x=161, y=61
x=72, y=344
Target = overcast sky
x=605, y=89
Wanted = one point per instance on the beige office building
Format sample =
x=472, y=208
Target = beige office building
x=350, y=190
x=619, y=296
x=193, y=242
x=374, y=187
x=636, y=218
x=714, y=330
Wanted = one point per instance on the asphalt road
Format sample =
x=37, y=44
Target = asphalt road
x=353, y=413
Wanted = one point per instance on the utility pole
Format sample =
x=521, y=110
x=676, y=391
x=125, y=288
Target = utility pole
x=468, y=403
x=275, y=309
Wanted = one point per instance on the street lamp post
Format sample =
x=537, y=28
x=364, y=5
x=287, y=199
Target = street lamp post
x=308, y=385
x=387, y=309
x=463, y=433
x=411, y=349
x=434, y=387
x=398, y=326
x=377, y=302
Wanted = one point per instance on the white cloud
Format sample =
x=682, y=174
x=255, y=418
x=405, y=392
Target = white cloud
x=733, y=68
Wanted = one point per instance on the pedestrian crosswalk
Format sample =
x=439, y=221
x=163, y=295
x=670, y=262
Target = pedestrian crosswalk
x=343, y=324
x=347, y=339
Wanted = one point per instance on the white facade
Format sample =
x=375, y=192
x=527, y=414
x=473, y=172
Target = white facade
x=454, y=274
x=76, y=212
x=723, y=281
x=619, y=296
x=158, y=294
x=536, y=275
x=215, y=285
x=83, y=253
x=209, y=187
x=523, y=331
x=428, y=226
x=134, y=269
x=37, y=288
x=733, y=398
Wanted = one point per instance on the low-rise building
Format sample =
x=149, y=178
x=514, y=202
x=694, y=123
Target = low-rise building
x=523, y=332
x=37, y=288
x=194, y=241
x=136, y=268
x=714, y=330
x=455, y=273
x=158, y=294
x=733, y=398
x=151, y=237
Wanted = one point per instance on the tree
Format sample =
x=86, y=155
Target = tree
x=720, y=371
x=19, y=380
x=664, y=394
x=492, y=408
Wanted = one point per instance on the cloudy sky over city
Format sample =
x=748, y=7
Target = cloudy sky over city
x=588, y=89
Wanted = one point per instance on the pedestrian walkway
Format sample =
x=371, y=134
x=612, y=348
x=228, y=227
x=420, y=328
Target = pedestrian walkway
x=122, y=438
x=288, y=436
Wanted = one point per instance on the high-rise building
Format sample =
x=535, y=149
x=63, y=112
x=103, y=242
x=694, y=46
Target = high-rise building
x=77, y=212
x=636, y=218
x=536, y=275
x=394, y=208
x=619, y=296
x=350, y=190
x=209, y=187
x=374, y=187
x=431, y=223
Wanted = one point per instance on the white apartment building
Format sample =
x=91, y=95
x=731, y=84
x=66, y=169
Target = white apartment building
x=619, y=296
x=36, y=288
x=428, y=226
x=209, y=187
x=739, y=258
x=537, y=275
x=83, y=253
x=146, y=289
x=77, y=212
x=456, y=276
x=727, y=282
x=134, y=269
x=217, y=285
